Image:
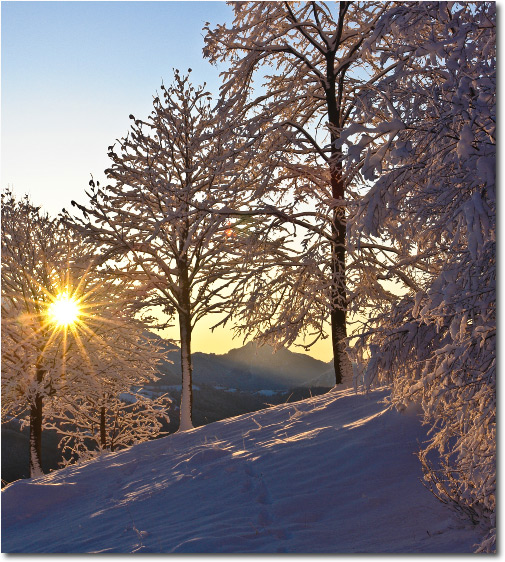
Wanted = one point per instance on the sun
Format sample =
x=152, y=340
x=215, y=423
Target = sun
x=64, y=310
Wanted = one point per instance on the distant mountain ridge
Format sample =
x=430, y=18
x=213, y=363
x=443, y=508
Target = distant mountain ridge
x=251, y=368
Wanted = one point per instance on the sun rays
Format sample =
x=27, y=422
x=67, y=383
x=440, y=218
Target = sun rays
x=69, y=316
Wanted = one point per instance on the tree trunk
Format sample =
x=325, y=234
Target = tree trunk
x=187, y=370
x=36, y=431
x=338, y=296
x=186, y=408
x=338, y=292
x=103, y=434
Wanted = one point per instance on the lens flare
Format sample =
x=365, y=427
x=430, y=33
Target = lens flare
x=64, y=310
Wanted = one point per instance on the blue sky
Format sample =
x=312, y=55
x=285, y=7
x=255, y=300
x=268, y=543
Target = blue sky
x=72, y=72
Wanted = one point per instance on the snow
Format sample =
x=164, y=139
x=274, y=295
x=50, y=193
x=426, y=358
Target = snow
x=335, y=473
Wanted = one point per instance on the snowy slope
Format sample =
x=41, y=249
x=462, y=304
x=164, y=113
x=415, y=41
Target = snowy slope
x=335, y=473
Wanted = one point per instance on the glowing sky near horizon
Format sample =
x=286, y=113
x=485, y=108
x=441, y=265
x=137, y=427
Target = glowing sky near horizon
x=72, y=72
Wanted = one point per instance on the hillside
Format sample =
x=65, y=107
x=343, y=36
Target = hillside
x=335, y=473
x=243, y=380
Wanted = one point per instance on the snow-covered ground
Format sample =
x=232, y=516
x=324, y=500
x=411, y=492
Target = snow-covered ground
x=334, y=473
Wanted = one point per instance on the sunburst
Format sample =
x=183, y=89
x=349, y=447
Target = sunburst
x=64, y=310
x=70, y=316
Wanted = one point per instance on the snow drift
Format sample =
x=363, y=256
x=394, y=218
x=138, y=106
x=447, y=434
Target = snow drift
x=336, y=473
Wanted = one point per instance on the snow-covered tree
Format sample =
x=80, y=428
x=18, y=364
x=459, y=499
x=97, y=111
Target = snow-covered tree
x=323, y=57
x=109, y=410
x=153, y=223
x=63, y=327
x=103, y=405
x=433, y=205
x=29, y=247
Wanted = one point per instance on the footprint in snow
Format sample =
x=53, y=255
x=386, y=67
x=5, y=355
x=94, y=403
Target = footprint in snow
x=264, y=517
x=247, y=485
x=263, y=495
x=249, y=470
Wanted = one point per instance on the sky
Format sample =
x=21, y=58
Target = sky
x=72, y=73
